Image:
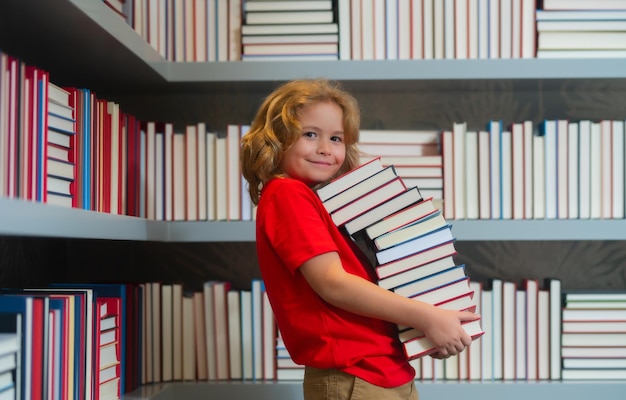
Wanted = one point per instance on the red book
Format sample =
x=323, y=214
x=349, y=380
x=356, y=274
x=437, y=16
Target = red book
x=39, y=330
x=132, y=165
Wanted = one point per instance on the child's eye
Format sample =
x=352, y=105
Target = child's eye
x=310, y=134
x=337, y=139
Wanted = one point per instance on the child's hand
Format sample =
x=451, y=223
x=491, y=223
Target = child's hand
x=445, y=331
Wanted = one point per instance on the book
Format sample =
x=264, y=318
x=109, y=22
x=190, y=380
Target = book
x=288, y=17
x=417, y=259
x=416, y=229
x=404, y=199
x=287, y=5
x=432, y=282
x=349, y=179
x=417, y=272
x=415, y=245
x=401, y=218
x=354, y=192
x=368, y=201
x=421, y=345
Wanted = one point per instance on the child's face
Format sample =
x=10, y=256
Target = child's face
x=320, y=150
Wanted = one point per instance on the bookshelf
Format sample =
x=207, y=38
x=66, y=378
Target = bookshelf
x=82, y=43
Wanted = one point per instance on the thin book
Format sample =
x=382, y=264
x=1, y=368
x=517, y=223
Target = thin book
x=349, y=179
x=401, y=218
x=418, y=228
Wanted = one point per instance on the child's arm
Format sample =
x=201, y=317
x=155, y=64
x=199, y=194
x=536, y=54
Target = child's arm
x=332, y=283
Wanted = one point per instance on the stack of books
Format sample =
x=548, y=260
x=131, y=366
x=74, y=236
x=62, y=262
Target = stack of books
x=289, y=30
x=406, y=238
x=594, y=335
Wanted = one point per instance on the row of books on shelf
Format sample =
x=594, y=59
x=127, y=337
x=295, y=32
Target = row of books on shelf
x=558, y=169
x=249, y=30
x=71, y=343
x=98, y=341
x=97, y=157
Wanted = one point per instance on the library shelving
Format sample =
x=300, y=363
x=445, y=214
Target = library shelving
x=83, y=43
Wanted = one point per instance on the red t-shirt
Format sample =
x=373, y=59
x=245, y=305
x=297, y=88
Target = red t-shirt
x=293, y=226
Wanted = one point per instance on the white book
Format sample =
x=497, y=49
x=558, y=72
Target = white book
x=606, y=149
x=211, y=175
x=404, y=29
x=550, y=163
x=486, y=316
x=515, y=15
x=368, y=30
x=459, y=130
x=521, y=350
x=177, y=331
x=528, y=169
x=555, y=328
x=529, y=32
x=247, y=335
x=448, y=29
x=221, y=179
x=532, y=289
x=472, y=189
x=428, y=20
x=360, y=189
x=438, y=29
x=506, y=29
x=233, y=179
x=495, y=129
x=168, y=170
x=391, y=30
x=539, y=197
x=475, y=359
x=179, y=201
x=191, y=172
x=483, y=29
x=419, y=25
x=562, y=168
x=572, y=169
x=461, y=30
x=472, y=29
x=350, y=178
x=584, y=169
x=387, y=136
x=595, y=174
x=345, y=37
x=256, y=299
x=508, y=320
x=209, y=321
x=234, y=335
x=447, y=149
x=618, y=157
x=497, y=328
x=484, y=176
x=201, y=159
x=517, y=170
x=543, y=335
x=494, y=29
x=189, y=343
x=289, y=17
x=269, y=336
x=506, y=175
x=414, y=246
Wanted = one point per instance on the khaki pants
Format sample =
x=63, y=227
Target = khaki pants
x=333, y=384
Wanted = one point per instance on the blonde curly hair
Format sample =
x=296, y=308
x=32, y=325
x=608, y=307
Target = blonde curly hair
x=275, y=128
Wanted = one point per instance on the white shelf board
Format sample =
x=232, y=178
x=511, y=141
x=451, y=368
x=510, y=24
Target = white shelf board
x=441, y=390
